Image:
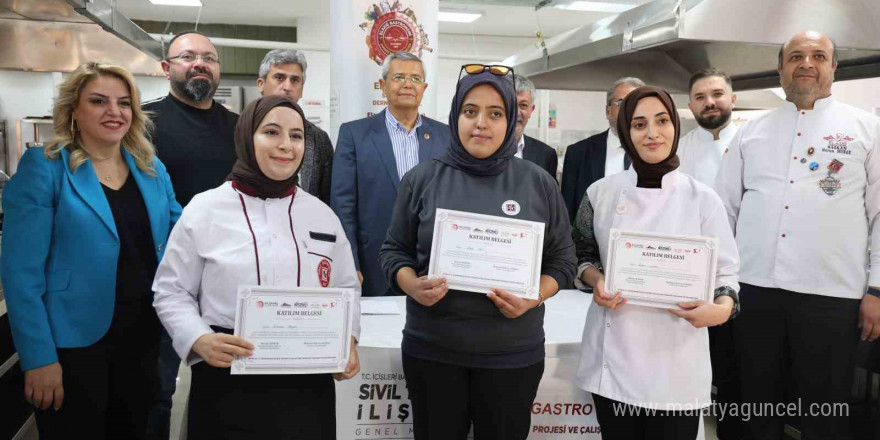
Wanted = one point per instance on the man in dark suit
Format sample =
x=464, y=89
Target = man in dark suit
x=372, y=155
x=529, y=148
x=599, y=155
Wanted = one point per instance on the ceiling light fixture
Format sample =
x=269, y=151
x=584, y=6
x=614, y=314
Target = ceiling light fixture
x=458, y=17
x=196, y=3
x=596, y=7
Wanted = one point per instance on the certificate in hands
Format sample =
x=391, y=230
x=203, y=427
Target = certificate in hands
x=660, y=270
x=294, y=330
x=477, y=252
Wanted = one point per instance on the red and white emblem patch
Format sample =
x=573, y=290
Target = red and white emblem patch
x=324, y=272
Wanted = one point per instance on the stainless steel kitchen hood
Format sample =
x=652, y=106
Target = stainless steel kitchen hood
x=664, y=41
x=59, y=35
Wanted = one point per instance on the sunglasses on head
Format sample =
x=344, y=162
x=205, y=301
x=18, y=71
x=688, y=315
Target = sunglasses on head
x=494, y=69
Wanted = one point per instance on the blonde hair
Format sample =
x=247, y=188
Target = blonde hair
x=135, y=141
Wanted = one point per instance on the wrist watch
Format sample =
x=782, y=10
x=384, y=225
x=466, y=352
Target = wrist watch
x=728, y=291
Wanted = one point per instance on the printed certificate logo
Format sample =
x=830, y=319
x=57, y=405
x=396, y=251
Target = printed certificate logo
x=392, y=30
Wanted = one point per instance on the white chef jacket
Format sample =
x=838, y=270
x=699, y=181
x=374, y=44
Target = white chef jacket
x=210, y=253
x=646, y=356
x=790, y=233
x=700, y=154
x=614, y=154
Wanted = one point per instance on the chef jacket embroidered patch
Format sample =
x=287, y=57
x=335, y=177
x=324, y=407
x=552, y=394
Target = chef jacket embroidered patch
x=837, y=144
x=324, y=272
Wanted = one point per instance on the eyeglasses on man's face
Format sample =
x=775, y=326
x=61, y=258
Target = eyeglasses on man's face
x=401, y=79
x=189, y=57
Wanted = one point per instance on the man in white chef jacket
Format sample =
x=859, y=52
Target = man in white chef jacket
x=711, y=101
x=801, y=186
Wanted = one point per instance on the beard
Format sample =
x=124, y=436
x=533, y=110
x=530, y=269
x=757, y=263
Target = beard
x=195, y=89
x=811, y=92
x=795, y=91
x=715, y=121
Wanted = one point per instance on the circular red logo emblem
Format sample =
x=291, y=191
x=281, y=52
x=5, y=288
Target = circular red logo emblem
x=324, y=272
x=391, y=33
x=259, y=304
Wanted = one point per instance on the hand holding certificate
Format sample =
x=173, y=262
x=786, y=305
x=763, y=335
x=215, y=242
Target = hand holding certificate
x=294, y=331
x=660, y=270
x=477, y=253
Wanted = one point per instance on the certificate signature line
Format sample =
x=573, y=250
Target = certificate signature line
x=380, y=424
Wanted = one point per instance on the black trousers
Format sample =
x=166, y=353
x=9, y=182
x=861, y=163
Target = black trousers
x=250, y=407
x=109, y=386
x=169, y=364
x=620, y=421
x=447, y=398
x=810, y=340
x=725, y=377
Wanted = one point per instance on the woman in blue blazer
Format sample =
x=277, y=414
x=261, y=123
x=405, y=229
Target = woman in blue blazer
x=86, y=221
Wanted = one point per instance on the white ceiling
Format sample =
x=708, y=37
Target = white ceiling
x=498, y=19
x=519, y=21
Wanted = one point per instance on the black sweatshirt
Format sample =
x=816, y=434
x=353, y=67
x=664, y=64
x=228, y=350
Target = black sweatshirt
x=465, y=328
x=197, y=146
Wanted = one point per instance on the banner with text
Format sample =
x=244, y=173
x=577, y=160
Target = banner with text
x=375, y=404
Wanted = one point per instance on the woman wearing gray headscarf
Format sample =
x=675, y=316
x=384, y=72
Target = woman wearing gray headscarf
x=473, y=358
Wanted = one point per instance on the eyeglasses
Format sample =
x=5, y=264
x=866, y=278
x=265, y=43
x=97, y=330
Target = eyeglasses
x=189, y=57
x=414, y=79
x=617, y=103
x=494, y=69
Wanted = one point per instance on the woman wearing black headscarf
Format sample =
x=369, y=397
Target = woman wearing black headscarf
x=642, y=356
x=470, y=357
x=257, y=229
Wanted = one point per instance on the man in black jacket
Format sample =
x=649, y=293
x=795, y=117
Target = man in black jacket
x=529, y=148
x=596, y=156
x=194, y=137
x=283, y=72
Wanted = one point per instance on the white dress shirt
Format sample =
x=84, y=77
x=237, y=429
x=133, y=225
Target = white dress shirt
x=646, y=356
x=701, y=154
x=614, y=155
x=211, y=252
x=404, y=143
x=520, y=146
x=791, y=234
